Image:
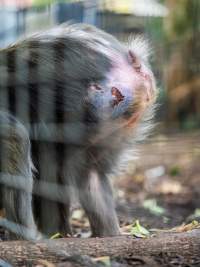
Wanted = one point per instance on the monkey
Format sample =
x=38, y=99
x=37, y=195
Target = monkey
x=74, y=101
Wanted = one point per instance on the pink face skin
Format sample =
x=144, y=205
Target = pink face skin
x=132, y=76
x=129, y=83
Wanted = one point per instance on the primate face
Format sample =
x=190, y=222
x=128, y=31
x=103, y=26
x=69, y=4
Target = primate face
x=128, y=85
x=128, y=89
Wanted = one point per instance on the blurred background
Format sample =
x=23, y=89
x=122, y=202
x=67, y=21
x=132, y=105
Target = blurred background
x=165, y=182
x=171, y=26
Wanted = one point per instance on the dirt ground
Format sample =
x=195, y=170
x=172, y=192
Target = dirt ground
x=161, y=190
x=167, y=172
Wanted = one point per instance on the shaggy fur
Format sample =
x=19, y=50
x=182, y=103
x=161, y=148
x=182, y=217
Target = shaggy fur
x=84, y=100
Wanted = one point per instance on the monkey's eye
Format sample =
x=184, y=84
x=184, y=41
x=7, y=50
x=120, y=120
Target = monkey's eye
x=95, y=86
x=134, y=61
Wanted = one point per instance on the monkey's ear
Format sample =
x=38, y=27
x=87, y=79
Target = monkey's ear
x=134, y=61
x=139, y=47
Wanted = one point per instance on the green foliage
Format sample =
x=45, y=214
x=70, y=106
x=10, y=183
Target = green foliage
x=191, y=122
x=175, y=171
x=105, y=260
x=139, y=231
x=153, y=207
x=55, y=236
x=155, y=28
x=41, y=3
x=184, y=18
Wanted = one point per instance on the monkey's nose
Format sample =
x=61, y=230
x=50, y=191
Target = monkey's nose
x=117, y=96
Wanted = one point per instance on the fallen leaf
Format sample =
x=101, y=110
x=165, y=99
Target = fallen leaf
x=139, y=231
x=152, y=206
x=45, y=263
x=104, y=259
x=57, y=235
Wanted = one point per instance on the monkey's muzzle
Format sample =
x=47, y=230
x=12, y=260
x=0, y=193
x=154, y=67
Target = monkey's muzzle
x=110, y=102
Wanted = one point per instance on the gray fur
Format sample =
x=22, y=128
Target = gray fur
x=44, y=96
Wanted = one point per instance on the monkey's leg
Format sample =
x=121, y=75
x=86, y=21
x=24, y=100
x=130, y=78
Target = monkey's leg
x=53, y=206
x=95, y=195
x=65, y=191
x=16, y=179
